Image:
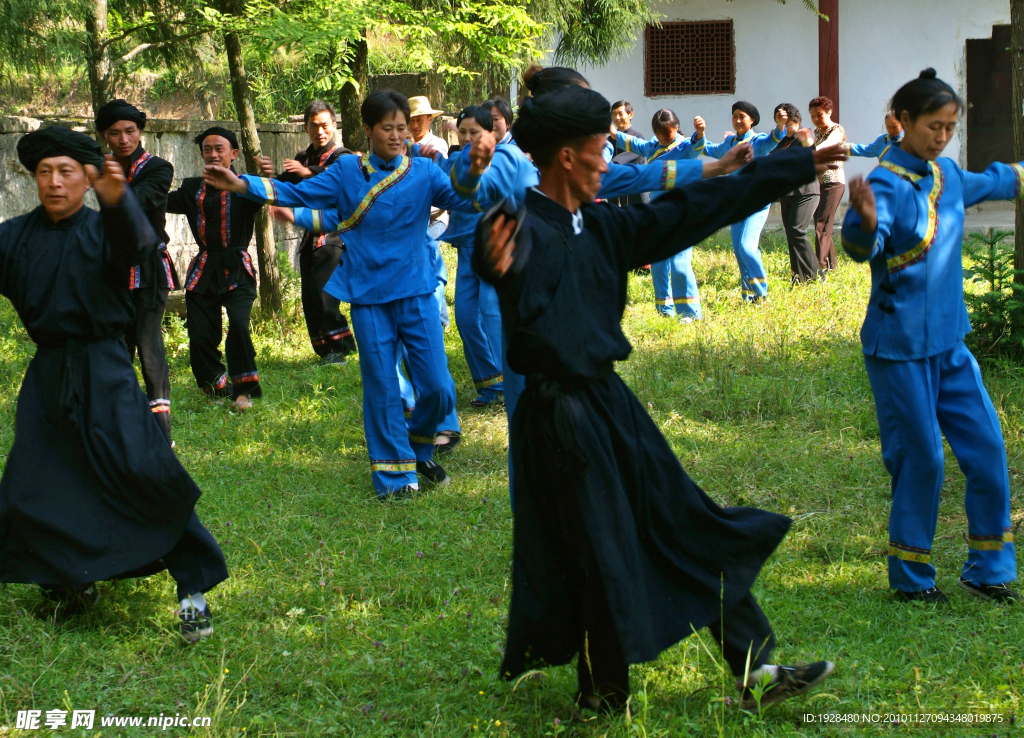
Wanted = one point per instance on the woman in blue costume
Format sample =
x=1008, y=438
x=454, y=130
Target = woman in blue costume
x=747, y=233
x=907, y=221
x=675, y=286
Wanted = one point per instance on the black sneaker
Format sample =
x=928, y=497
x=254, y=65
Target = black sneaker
x=333, y=359
x=434, y=473
x=789, y=681
x=402, y=493
x=992, y=592
x=443, y=449
x=195, y=624
x=933, y=595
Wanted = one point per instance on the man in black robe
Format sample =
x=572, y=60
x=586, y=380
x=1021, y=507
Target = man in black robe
x=221, y=275
x=617, y=553
x=319, y=255
x=91, y=489
x=149, y=177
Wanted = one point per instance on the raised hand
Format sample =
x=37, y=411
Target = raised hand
x=296, y=167
x=781, y=118
x=500, y=246
x=805, y=136
x=223, y=179
x=862, y=200
x=109, y=185
x=481, y=152
x=829, y=158
x=266, y=166
x=429, y=151
x=699, y=125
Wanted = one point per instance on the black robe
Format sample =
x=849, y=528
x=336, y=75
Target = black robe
x=316, y=161
x=91, y=489
x=669, y=558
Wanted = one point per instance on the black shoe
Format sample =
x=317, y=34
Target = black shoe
x=478, y=402
x=992, y=592
x=933, y=595
x=402, y=493
x=789, y=681
x=443, y=449
x=434, y=473
x=333, y=359
x=195, y=624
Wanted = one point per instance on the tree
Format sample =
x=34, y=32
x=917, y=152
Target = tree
x=1017, y=83
x=266, y=252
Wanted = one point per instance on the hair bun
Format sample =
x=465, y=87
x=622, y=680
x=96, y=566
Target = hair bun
x=928, y=73
x=531, y=77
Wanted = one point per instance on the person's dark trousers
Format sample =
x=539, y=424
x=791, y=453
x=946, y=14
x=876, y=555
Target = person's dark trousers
x=329, y=331
x=146, y=337
x=824, y=218
x=203, y=311
x=744, y=629
x=797, y=215
x=196, y=562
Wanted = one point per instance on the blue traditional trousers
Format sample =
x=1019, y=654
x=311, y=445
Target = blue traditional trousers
x=478, y=319
x=441, y=270
x=409, y=395
x=746, y=236
x=675, y=287
x=917, y=402
x=395, y=447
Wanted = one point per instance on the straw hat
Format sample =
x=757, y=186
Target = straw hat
x=420, y=105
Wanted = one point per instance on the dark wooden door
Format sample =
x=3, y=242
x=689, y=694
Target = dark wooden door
x=989, y=95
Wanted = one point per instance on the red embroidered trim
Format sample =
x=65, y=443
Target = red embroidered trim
x=139, y=163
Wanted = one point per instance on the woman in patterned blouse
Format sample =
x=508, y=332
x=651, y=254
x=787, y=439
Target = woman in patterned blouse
x=833, y=181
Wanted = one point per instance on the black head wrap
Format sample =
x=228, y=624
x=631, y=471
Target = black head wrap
x=58, y=141
x=749, y=109
x=217, y=131
x=116, y=110
x=549, y=120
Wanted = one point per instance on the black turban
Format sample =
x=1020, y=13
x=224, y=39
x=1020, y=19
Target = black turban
x=58, y=141
x=560, y=115
x=116, y=110
x=749, y=109
x=217, y=131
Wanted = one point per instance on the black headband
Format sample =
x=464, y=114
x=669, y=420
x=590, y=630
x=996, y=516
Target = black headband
x=749, y=109
x=116, y=110
x=217, y=131
x=571, y=112
x=58, y=141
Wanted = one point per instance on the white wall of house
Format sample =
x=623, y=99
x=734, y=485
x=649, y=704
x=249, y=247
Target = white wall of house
x=882, y=44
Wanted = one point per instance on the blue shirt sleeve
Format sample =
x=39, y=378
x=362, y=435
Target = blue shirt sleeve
x=317, y=221
x=447, y=196
x=862, y=245
x=622, y=180
x=874, y=148
x=636, y=145
x=765, y=143
x=997, y=182
x=321, y=191
x=718, y=150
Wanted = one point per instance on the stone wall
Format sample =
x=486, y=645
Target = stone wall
x=169, y=139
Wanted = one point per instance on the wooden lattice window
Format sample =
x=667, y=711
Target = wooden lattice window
x=689, y=58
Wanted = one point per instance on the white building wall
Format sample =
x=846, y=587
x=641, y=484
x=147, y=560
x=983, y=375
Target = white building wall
x=882, y=44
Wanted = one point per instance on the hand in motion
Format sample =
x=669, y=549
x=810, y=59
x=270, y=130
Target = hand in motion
x=781, y=119
x=862, y=200
x=223, y=179
x=481, y=152
x=109, y=184
x=282, y=215
x=737, y=156
x=805, y=136
x=296, y=167
x=829, y=158
x=699, y=125
x=266, y=166
x=429, y=151
x=500, y=245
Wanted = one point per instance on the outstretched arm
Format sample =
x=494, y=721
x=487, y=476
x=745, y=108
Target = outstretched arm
x=997, y=182
x=870, y=217
x=321, y=191
x=648, y=233
x=872, y=149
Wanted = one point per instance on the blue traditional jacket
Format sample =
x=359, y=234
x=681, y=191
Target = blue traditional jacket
x=381, y=210
x=916, y=308
x=875, y=148
x=763, y=143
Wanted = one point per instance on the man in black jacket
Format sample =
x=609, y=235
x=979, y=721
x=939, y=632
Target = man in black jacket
x=328, y=329
x=149, y=177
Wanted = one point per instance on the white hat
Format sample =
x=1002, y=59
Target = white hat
x=420, y=105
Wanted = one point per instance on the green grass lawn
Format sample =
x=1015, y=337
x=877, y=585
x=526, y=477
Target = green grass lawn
x=344, y=616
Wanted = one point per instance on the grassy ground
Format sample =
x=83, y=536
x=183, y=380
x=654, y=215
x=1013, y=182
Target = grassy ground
x=347, y=617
